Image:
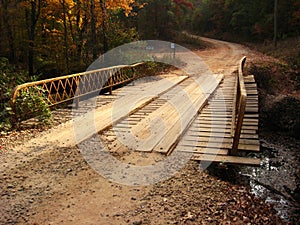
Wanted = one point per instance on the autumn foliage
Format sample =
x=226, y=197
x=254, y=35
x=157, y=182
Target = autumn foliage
x=60, y=36
x=49, y=38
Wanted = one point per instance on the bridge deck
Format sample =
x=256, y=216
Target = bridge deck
x=159, y=125
x=194, y=122
x=209, y=137
x=178, y=113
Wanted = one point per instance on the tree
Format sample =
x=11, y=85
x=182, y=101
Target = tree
x=32, y=13
x=8, y=28
x=158, y=19
x=247, y=19
x=62, y=36
x=103, y=25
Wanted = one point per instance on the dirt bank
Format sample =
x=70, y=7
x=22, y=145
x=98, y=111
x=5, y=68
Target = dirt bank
x=279, y=94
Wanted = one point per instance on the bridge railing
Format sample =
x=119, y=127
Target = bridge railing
x=239, y=106
x=62, y=89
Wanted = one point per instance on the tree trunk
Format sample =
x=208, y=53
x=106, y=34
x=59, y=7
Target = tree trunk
x=34, y=16
x=79, y=38
x=104, y=29
x=275, y=22
x=66, y=35
x=8, y=28
x=93, y=28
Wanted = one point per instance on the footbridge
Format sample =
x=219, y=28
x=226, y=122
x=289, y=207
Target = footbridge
x=212, y=117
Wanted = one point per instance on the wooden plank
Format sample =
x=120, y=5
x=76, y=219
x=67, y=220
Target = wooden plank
x=220, y=129
x=222, y=99
x=215, y=116
x=189, y=138
x=223, y=113
x=205, y=144
x=249, y=79
x=168, y=114
x=222, y=135
x=216, y=145
x=252, y=101
x=180, y=126
x=253, y=97
x=250, y=123
x=251, y=110
x=218, y=140
x=250, y=85
x=218, y=106
x=210, y=129
x=227, y=159
x=252, y=92
x=251, y=120
x=253, y=148
x=211, y=125
x=217, y=110
x=176, y=131
x=252, y=104
x=103, y=116
x=249, y=136
x=199, y=150
x=210, y=119
x=250, y=127
x=248, y=131
x=249, y=116
x=221, y=104
x=249, y=141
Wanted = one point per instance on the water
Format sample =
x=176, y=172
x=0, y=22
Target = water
x=277, y=180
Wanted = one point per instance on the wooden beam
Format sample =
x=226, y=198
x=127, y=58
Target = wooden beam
x=227, y=159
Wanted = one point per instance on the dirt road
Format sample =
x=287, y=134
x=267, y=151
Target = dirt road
x=57, y=186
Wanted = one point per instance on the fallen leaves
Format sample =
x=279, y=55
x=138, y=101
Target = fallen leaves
x=194, y=197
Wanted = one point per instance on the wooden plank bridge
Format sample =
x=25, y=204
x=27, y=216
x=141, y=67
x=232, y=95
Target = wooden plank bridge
x=215, y=121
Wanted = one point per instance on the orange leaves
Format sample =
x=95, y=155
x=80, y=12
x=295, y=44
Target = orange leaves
x=126, y=5
x=73, y=7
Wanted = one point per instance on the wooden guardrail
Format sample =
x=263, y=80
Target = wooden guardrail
x=66, y=88
x=239, y=106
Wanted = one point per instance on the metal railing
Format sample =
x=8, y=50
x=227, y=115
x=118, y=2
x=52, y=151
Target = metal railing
x=239, y=107
x=62, y=89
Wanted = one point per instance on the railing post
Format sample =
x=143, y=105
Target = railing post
x=234, y=105
x=238, y=116
x=13, y=104
x=110, y=83
x=133, y=75
x=77, y=92
x=239, y=125
x=13, y=116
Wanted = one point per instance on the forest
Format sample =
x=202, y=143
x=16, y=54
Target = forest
x=55, y=37
x=47, y=38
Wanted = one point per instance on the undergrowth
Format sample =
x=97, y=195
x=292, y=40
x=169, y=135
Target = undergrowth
x=31, y=103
